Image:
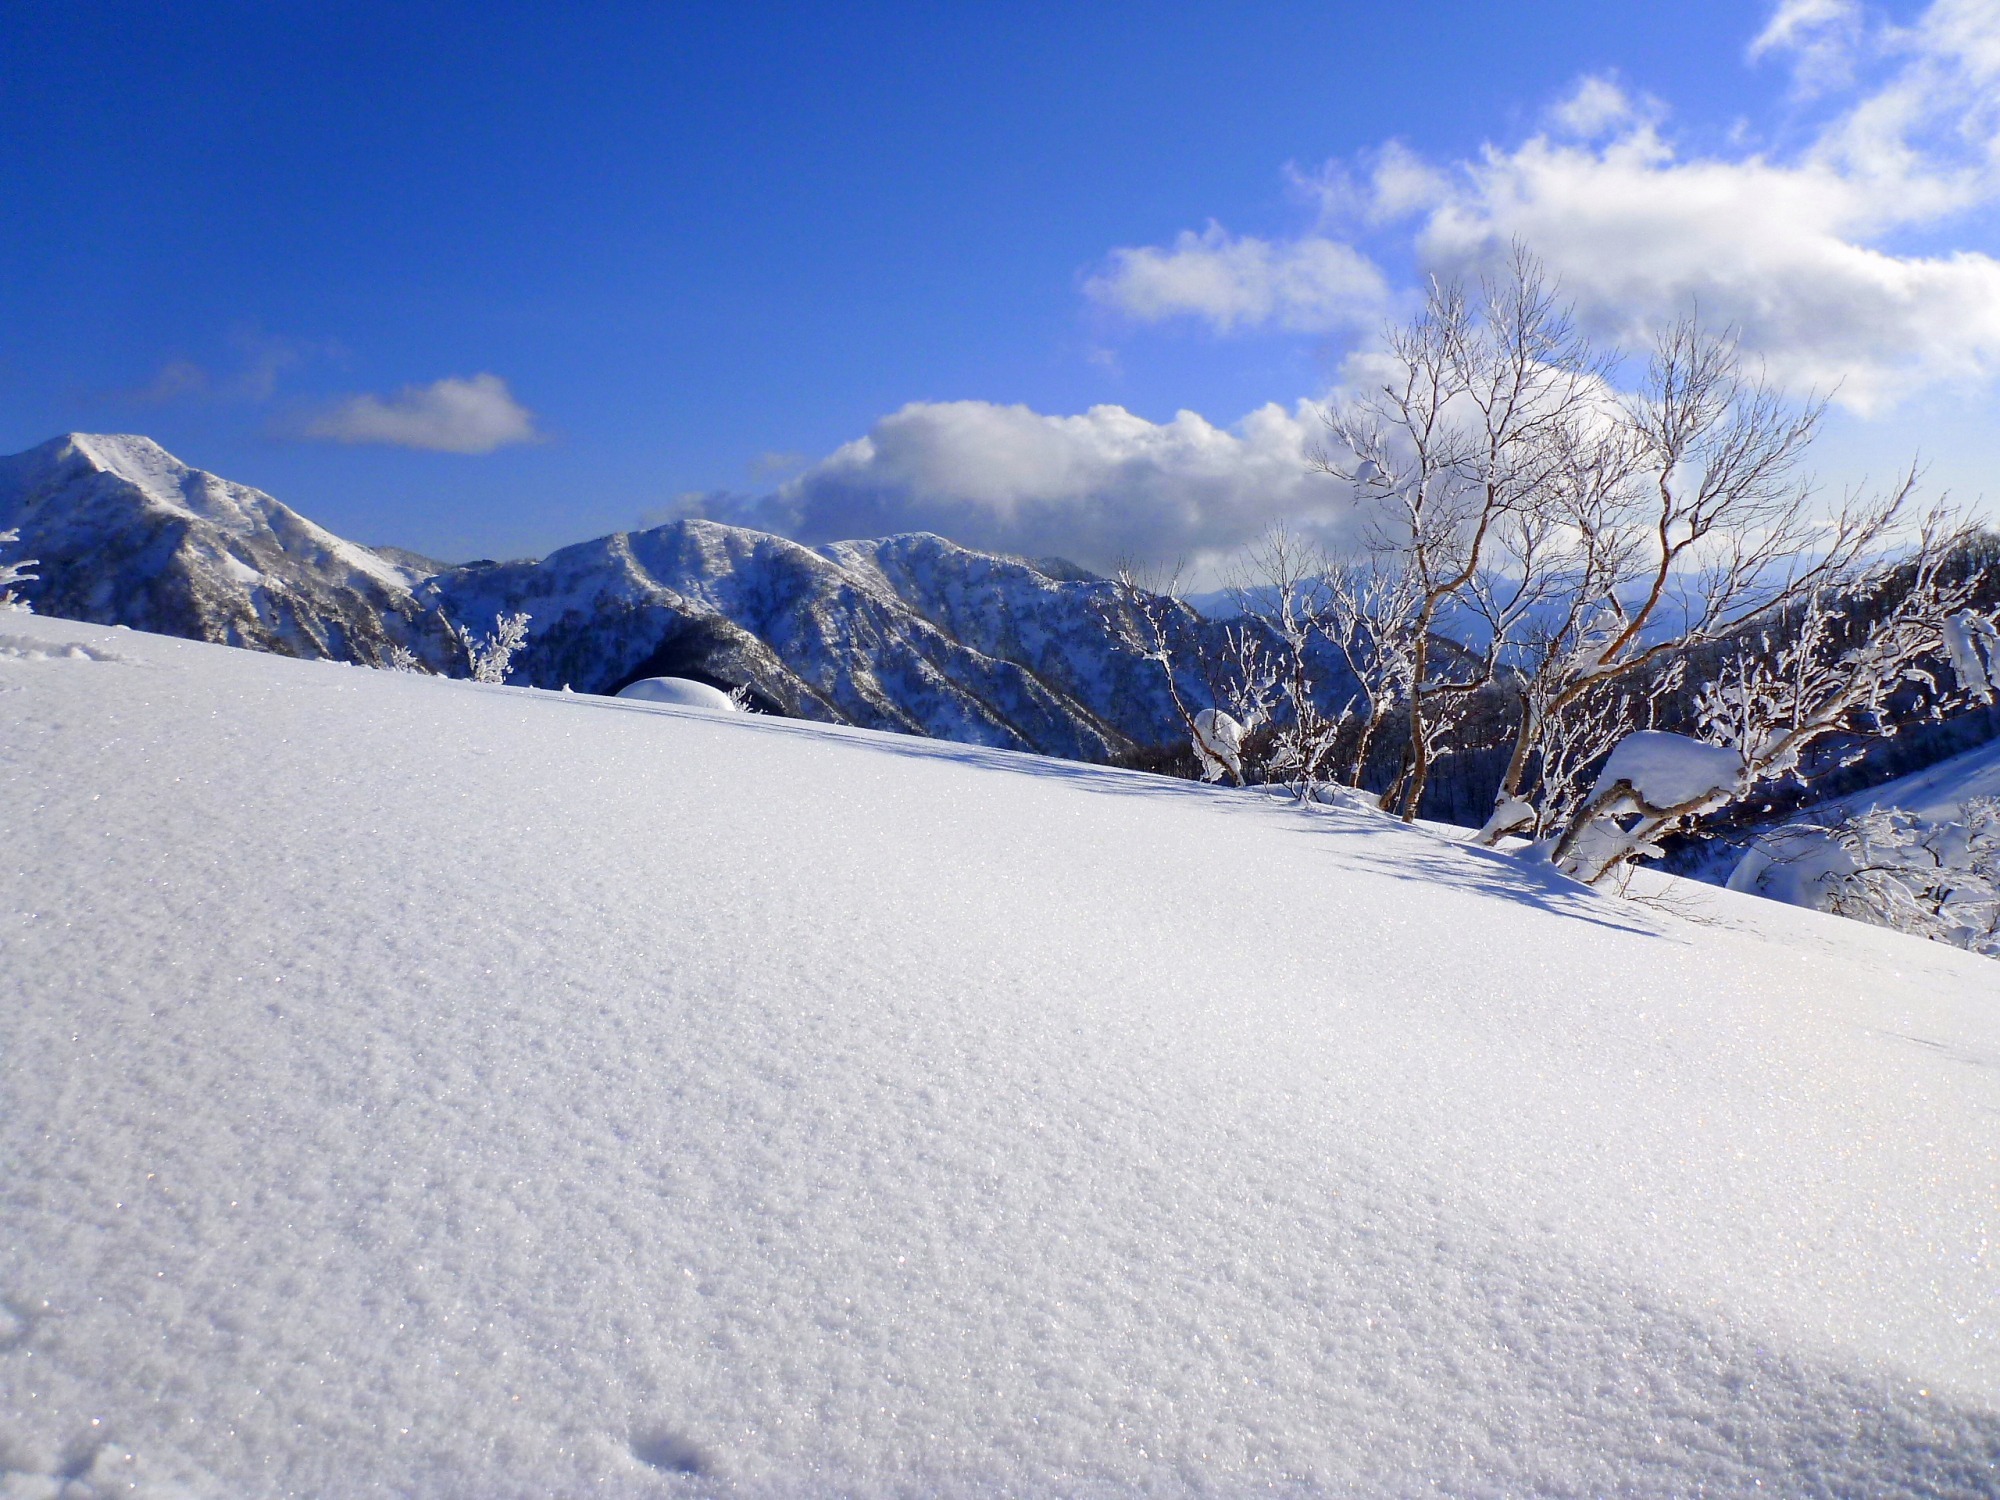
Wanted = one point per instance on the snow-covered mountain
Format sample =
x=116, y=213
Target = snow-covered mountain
x=127, y=534
x=692, y=1104
x=911, y=633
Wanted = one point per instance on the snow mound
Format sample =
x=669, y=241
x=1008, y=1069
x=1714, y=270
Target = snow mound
x=1668, y=770
x=849, y=1114
x=684, y=692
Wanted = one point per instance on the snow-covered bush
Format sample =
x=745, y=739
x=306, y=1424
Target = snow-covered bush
x=12, y=573
x=1940, y=880
x=491, y=656
x=402, y=659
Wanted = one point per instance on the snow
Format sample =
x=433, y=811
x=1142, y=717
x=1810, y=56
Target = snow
x=1669, y=770
x=683, y=691
x=238, y=509
x=410, y=1087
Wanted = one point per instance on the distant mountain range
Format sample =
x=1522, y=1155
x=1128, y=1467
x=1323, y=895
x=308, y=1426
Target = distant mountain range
x=908, y=633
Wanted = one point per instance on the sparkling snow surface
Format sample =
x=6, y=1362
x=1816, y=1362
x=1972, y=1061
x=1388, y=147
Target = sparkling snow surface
x=419, y=1088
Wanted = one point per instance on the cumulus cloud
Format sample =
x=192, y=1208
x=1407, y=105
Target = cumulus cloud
x=1100, y=488
x=1304, y=286
x=1807, y=254
x=475, y=414
x=1637, y=238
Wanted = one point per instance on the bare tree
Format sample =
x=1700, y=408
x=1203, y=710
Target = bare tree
x=1676, y=523
x=1371, y=619
x=1456, y=444
x=1285, y=586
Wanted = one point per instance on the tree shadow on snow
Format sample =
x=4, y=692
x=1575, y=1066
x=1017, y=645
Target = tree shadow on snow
x=1386, y=847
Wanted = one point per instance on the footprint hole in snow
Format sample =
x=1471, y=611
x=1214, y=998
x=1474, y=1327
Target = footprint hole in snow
x=668, y=1452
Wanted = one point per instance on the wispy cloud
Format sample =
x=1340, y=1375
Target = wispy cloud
x=771, y=465
x=458, y=414
x=1304, y=286
x=1821, y=37
x=177, y=380
x=252, y=375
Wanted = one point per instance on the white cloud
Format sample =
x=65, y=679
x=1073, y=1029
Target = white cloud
x=1638, y=237
x=1099, y=488
x=1822, y=37
x=454, y=415
x=1308, y=285
x=1808, y=255
x=1597, y=104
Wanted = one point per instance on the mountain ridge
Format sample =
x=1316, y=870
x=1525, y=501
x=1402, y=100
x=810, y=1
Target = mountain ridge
x=911, y=633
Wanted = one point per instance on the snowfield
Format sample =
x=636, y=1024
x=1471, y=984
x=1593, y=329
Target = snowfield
x=428, y=1089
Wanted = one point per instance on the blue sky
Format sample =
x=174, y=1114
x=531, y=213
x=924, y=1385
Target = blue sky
x=482, y=280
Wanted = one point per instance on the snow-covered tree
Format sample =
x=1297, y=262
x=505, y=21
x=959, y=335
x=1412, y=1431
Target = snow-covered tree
x=12, y=573
x=1284, y=585
x=1939, y=880
x=1837, y=668
x=1148, y=618
x=1668, y=521
x=491, y=656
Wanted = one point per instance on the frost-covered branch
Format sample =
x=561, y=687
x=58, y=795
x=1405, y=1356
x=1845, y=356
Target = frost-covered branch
x=1677, y=520
x=491, y=657
x=1450, y=452
x=1939, y=880
x=12, y=573
x=1287, y=590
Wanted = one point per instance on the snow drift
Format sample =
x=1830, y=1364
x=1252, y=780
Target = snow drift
x=424, y=1088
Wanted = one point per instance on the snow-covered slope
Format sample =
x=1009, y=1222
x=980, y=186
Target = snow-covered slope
x=1937, y=792
x=125, y=533
x=419, y=1088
